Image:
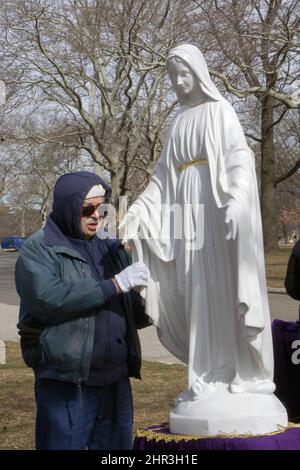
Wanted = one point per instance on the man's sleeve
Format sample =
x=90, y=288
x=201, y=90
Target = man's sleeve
x=140, y=317
x=47, y=297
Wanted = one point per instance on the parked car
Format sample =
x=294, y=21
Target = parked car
x=13, y=243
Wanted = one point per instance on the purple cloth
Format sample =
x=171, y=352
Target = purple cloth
x=287, y=440
x=286, y=371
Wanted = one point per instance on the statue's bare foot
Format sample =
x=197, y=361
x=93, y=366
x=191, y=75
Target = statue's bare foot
x=266, y=387
x=201, y=389
x=183, y=396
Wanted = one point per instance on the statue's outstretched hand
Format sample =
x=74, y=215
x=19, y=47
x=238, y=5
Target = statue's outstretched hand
x=231, y=219
x=129, y=226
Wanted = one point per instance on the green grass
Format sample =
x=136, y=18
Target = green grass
x=153, y=398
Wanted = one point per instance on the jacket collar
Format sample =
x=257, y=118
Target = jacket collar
x=60, y=243
x=60, y=249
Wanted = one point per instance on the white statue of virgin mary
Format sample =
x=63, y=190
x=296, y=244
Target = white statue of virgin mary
x=207, y=295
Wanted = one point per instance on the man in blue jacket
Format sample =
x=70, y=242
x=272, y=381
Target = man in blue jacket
x=78, y=321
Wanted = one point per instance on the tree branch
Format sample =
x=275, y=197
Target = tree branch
x=251, y=136
x=289, y=173
x=291, y=101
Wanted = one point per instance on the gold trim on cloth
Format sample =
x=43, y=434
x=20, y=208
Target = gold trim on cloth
x=185, y=165
x=161, y=436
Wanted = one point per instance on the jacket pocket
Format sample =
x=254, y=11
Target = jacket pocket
x=30, y=354
x=61, y=345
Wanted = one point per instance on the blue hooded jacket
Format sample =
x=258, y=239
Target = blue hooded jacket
x=109, y=354
x=96, y=347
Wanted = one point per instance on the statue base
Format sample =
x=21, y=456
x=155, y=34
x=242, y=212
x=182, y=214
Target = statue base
x=228, y=413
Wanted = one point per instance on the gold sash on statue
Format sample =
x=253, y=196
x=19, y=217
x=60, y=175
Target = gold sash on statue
x=185, y=165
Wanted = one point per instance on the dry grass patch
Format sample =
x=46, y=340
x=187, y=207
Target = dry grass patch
x=17, y=410
x=276, y=264
x=153, y=398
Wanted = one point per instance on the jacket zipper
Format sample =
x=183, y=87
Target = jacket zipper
x=80, y=393
x=81, y=365
x=43, y=353
x=108, y=335
x=127, y=309
x=99, y=277
x=83, y=354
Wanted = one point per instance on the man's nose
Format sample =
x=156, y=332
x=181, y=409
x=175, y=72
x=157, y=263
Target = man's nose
x=95, y=214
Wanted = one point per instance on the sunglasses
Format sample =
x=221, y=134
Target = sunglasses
x=89, y=210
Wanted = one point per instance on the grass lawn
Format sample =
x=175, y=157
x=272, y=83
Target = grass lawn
x=276, y=264
x=153, y=398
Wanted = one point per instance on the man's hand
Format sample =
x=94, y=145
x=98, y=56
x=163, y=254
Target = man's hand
x=135, y=275
x=29, y=334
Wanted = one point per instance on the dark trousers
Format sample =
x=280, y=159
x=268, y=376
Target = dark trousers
x=98, y=418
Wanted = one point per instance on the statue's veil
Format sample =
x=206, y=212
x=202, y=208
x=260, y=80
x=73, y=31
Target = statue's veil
x=194, y=59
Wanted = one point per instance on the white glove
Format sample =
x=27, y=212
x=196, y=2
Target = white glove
x=135, y=275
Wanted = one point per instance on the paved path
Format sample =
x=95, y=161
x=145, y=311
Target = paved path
x=281, y=306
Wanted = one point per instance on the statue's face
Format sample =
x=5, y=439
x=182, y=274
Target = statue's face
x=183, y=80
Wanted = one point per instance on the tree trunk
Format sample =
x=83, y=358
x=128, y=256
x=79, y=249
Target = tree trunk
x=98, y=169
x=43, y=214
x=285, y=234
x=268, y=192
x=22, y=223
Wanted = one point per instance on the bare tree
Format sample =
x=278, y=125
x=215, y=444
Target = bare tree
x=43, y=164
x=9, y=173
x=100, y=66
x=29, y=168
x=97, y=68
x=258, y=45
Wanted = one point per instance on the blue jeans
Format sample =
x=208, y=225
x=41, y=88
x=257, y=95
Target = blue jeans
x=97, y=418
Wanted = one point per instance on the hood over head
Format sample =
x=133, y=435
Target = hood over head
x=69, y=194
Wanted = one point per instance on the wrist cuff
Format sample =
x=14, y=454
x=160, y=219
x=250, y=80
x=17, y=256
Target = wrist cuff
x=108, y=289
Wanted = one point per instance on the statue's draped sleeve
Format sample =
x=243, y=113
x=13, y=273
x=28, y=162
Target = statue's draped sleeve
x=233, y=177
